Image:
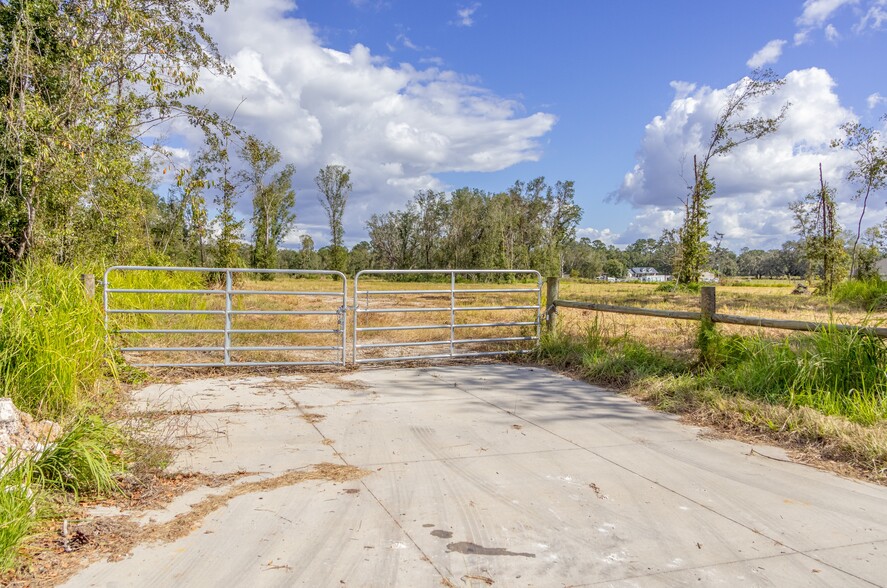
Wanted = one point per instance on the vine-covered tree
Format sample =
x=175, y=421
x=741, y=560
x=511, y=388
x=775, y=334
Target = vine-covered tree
x=731, y=130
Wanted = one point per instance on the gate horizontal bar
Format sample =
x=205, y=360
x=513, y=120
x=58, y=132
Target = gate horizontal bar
x=478, y=325
x=460, y=308
x=180, y=349
x=164, y=311
x=150, y=291
x=413, y=309
x=402, y=328
x=284, y=348
x=161, y=331
x=286, y=312
x=282, y=331
x=285, y=293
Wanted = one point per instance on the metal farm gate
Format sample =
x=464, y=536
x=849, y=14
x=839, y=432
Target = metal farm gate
x=216, y=322
x=448, y=304
x=238, y=327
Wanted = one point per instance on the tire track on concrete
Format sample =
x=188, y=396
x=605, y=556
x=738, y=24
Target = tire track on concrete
x=424, y=556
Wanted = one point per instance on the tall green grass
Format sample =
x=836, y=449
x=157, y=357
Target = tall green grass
x=53, y=348
x=836, y=372
x=17, y=503
x=867, y=294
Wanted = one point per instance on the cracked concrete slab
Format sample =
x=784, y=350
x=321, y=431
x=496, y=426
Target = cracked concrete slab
x=496, y=473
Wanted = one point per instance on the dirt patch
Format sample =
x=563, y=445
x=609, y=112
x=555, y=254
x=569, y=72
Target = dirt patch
x=56, y=554
x=313, y=417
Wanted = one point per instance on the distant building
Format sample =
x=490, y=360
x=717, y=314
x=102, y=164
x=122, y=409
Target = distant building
x=881, y=268
x=708, y=278
x=646, y=274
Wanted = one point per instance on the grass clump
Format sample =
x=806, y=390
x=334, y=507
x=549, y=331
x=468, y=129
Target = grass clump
x=17, y=507
x=88, y=457
x=868, y=294
x=53, y=345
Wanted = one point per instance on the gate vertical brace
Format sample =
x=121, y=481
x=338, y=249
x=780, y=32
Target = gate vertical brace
x=354, y=331
x=539, y=312
x=343, y=317
x=228, y=308
x=452, y=313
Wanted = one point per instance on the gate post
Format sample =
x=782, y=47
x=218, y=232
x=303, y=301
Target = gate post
x=88, y=281
x=553, y=284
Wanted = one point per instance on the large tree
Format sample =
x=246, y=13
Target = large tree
x=732, y=128
x=334, y=183
x=81, y=81
x=273, y=199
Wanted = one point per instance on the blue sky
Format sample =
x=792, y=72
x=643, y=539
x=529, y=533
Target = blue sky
x=445, y=94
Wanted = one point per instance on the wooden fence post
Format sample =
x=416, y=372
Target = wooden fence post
x=88, y=285
x=550, y=309
x=708, y=303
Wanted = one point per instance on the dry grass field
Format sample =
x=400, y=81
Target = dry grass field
x=758, y=298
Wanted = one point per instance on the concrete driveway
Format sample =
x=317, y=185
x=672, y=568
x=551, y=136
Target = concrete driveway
x=497, y=475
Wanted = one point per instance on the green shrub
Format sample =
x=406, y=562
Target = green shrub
x=53, y=344
x=691, y=288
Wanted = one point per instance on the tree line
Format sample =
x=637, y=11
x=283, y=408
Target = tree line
x=84, y=84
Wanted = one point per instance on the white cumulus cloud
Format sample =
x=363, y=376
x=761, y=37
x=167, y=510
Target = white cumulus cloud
x=756, y=181
x=769, y=53
x=874, y=100
x=394, y=125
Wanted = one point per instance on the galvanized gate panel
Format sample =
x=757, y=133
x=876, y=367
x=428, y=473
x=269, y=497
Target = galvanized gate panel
x=363, y=306
x=206, y=302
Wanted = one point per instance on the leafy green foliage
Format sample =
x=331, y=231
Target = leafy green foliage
x=815, y=220
x=273, y=200
x=334, y=183
x=79, y=80
x=529, y=226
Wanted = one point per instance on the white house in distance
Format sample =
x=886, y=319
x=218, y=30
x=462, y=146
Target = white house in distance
x=646, y=274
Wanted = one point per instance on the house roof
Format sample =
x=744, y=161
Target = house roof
x=643, y=270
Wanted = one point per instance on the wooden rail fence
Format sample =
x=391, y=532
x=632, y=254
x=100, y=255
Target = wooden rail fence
x=707, y=311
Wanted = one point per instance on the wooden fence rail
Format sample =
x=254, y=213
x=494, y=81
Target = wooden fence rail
x=708, y=310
